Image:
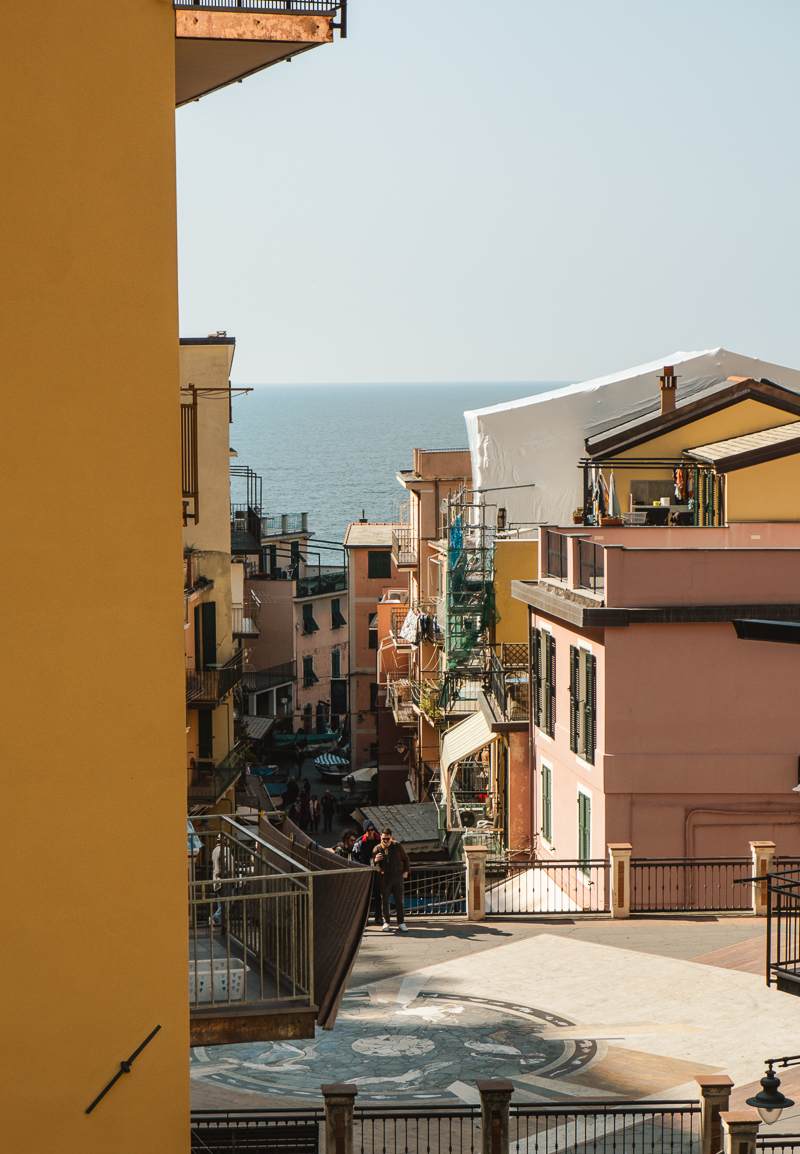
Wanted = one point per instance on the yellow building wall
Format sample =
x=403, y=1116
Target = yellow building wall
x=767, y=492
x=513, y=561
x=746, y=417
x=94, y=892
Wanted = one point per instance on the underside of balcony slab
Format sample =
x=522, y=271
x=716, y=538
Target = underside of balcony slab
x=227, y=1025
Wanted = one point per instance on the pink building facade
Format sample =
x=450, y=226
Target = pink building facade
x=652, y=722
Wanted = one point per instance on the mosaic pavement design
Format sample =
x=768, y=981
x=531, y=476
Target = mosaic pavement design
x=429, y=1047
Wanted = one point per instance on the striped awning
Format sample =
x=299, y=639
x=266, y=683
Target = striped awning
x=465, y=739
x=330, y=760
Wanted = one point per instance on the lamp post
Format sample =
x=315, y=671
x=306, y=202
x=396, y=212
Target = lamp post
x=769, y=1101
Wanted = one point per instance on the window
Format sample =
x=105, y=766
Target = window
x=205, y=737
x=336, y=663
x=309, y=676
x=547, y=802
x=582, y=703
x=543, y=662
x=373, y=697
x=337, y=620
x=309, y=624
x=584, y=828
x=379, y=564
x=373, y=631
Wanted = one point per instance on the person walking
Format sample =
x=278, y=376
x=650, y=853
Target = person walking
x=393, y=865
x=362, y=852
x=328, y=806
x=304, y=805
x=345, y=847
x=314, y=812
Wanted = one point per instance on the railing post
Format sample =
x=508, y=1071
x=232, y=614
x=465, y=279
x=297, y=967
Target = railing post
x=339, y=1101
x=715, y=1093
x=476, y=882
x=495, y=1098
x=763, y=855
x=739, y=1131
x=619, y=855
x=284, y=523
x=304, y=522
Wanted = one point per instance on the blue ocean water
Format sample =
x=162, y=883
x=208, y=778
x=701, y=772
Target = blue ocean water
x=333, y=450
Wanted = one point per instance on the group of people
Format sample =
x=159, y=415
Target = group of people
x=392, y=863
x=306, y=809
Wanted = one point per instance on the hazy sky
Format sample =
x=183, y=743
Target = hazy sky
x=501, y=190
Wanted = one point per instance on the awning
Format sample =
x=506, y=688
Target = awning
x=330, y=761
x=465, y=739
x=787, y=632
x=257, y=727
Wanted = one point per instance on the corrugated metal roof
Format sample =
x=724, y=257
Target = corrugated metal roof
x=464, y=739
x=378, y=536
x=720, y=450
x=257, y=727
x=410, y=824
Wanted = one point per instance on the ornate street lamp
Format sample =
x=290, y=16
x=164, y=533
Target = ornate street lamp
x=769, y=1101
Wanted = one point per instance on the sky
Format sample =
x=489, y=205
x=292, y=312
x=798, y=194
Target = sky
x=500, y=190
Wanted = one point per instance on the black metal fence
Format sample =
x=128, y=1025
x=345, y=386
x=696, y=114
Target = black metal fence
x=437, y=888
x=622, y=1128
x=280, y=1131
x=591, y=565
x=546, y=887
x=779, y=1143
x=209, y=686
x=429, y=1131
x=322, y=7
x=783, y=927
x=696, y=884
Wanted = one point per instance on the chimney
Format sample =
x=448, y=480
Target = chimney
x=363, y=520
x=668, y=384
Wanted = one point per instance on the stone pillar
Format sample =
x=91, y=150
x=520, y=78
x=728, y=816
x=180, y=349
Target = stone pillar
x=339, y=1100
x=495, y=1097
x=763, y=855
x=619, y=854
x=715, y=1093
x=739, y=1130
x=476, y=882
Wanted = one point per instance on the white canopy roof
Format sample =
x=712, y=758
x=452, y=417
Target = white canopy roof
x=538, y=440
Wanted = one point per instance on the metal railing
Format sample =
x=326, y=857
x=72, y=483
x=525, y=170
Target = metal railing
x=279, y=1131
x=436, y=888
x=245, y=520
x=528, y=887
x=333, y=582
x=250, y=921
x=778, y=1143
x=316, y=7
x=556, y=546
x=591, y=565
x=404, y=547
x=621, y=1128
x=284, y=523
x=783, y=925
x=434, y=1130
x=211, y=781
x=701, y=884
x=255, y=681
x=209, y=686
x=509, y=686
x=400, y=698
x=246, y=618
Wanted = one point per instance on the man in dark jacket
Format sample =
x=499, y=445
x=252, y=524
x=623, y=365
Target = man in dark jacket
x=362, y=852
x=328, y=806
x=345, y=847
x=393, y=865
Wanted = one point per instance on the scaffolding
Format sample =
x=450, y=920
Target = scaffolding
x=469, y=581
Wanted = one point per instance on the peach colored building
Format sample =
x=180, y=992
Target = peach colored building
x=653, y=722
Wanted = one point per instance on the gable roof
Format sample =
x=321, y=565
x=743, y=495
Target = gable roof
x=732, y=392
x=751, y=448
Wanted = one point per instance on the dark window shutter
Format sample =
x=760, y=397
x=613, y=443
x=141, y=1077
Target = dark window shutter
x=574, y=693
x=309, y=676
x=339, y=696
x=337, y=619
x=536, y=674
x=336, y=663
x=198, y=639
x=590, y=708
x=551, y=686
x=379, y=565
x=584, y=827
x=547, y=802
x=209, y=631
x=309, y=624
x=205, y=737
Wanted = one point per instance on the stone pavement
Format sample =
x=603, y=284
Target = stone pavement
x=566, y=1008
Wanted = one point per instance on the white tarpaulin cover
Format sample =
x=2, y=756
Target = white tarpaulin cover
x=540, y=439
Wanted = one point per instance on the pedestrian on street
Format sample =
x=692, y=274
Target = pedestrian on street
x=328, y=806
x=345, y=847
x=362, y=852
x=304, y=806
x=393, y=863
x=314, y=812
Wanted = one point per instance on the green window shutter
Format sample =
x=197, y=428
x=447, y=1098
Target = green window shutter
x=547, y=803
x=309, y=624
x=379, y=565
x=574, y=695
x=209, y=633
x=336, y=663
x=536, y=675
x=590, y=708
x=205, y=738
x=551, y=685
x=337, y=620
x=584, y=827
x=309, y=676
x=198, y=639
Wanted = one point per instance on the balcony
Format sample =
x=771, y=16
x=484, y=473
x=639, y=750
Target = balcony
x=210, y=781
x=245, y=529
x=334, y=581
x=284, y=525
x=508, y=686
x=259, y=680
x=218, y=42
x=205, y=688
x=400, y=699
x=404, y=547
x=246, y=618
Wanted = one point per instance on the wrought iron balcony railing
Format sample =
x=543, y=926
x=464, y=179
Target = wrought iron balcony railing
x=404, y=547
x=312, y=586
x=246, y=618
x=207, y=687
x=211, y=781
x=255, y=681
x=279, y=7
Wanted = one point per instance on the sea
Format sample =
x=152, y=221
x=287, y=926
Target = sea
x=334, y=450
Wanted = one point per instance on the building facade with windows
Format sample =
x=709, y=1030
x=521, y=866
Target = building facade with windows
x=322, y=648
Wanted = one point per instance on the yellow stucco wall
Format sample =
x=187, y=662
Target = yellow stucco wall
x=94, y=893
x=513, y=561
x=767, y=492
x=746, y=417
